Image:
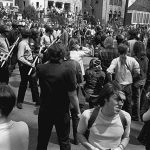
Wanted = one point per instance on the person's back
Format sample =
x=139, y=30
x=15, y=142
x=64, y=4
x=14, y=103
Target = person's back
x=94, y=78
x=14, y=136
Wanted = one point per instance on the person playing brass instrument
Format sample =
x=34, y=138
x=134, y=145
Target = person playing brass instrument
x=25, y=61
x=4, y=50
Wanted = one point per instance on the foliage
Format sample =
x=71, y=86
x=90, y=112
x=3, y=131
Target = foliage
x=29, y=12
x=56, y=17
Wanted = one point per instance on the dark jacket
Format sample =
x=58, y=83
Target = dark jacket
x=94, y=81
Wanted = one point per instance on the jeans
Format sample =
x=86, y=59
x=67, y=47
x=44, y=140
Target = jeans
x=24, y=69
x=127, y=89
x=137, y=91
x=46, y=120
x=75, y=121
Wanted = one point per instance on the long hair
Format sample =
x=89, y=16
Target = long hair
x=122, y=49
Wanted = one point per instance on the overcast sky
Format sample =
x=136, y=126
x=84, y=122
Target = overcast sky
x=131, y=2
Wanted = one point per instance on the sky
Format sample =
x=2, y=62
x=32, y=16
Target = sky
x=131, y=2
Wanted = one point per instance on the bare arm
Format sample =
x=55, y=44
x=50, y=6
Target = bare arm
x=74, y=101
x=125, y=138
x=82, y=127
x=85, y=142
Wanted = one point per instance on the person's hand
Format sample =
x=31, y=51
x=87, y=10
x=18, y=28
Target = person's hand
x=117, y=148
x=79, y=115
x=33, y=65
x=40, y=55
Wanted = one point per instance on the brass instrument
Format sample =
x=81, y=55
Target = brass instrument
x=4, y=56
x=36, y=58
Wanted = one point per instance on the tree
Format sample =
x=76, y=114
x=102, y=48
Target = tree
x=56, y=17
x=29, y=12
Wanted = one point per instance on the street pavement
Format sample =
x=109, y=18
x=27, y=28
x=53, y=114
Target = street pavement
x=29, y=114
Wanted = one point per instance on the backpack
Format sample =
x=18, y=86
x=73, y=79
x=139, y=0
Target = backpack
x=94, y=116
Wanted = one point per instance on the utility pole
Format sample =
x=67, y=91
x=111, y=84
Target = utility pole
x=125, y=12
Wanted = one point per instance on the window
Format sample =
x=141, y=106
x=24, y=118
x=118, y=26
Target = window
x=111, y=2
x=115, y=2
x=84, y=1
x=37, y=4
x=96, y=2
x=120, y=3
x=24, y=3
x=50, y=4
x=67, y=6
x=58, y=5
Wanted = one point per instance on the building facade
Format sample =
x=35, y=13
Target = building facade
x=139, y=12
x=6, y=3
x=104, y=10
x=67, y=5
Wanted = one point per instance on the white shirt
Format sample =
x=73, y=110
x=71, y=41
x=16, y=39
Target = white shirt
x=106, y=132
x=78, y=55
x=14, y=136
x=122, y=73
x=24, y=52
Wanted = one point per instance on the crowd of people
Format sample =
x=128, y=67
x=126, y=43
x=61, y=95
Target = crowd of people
x=115, y=85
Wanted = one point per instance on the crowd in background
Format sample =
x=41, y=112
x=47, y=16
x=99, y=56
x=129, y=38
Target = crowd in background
x=118, y=53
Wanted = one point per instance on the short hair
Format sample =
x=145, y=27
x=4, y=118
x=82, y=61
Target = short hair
x=7, y=100
x=119, y=38
x=56, y=52
x=139, y=48
x=109, y=42
x=48, y=29
x=122, y=49
x=26, y=33
x=109, y=89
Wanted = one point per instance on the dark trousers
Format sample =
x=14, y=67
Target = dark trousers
x=128, y=102
x=24, y=69
x=137, y=91
x=45, y=125
x=4, y=75
x=75, y=121
x=13, y=62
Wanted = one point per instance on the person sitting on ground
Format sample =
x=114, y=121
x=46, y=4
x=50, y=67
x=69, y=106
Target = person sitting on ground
x=13, y=135
x=110, y=128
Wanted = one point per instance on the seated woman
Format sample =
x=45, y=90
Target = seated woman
x=13, y=135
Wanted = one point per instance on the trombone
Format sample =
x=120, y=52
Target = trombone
x=7, y=55
x=36, y=58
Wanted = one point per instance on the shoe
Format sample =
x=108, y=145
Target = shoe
x=19, y=105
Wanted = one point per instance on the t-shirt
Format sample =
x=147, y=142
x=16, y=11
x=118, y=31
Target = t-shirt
x=106, y=132
x=14, y=136
x=55, y=80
